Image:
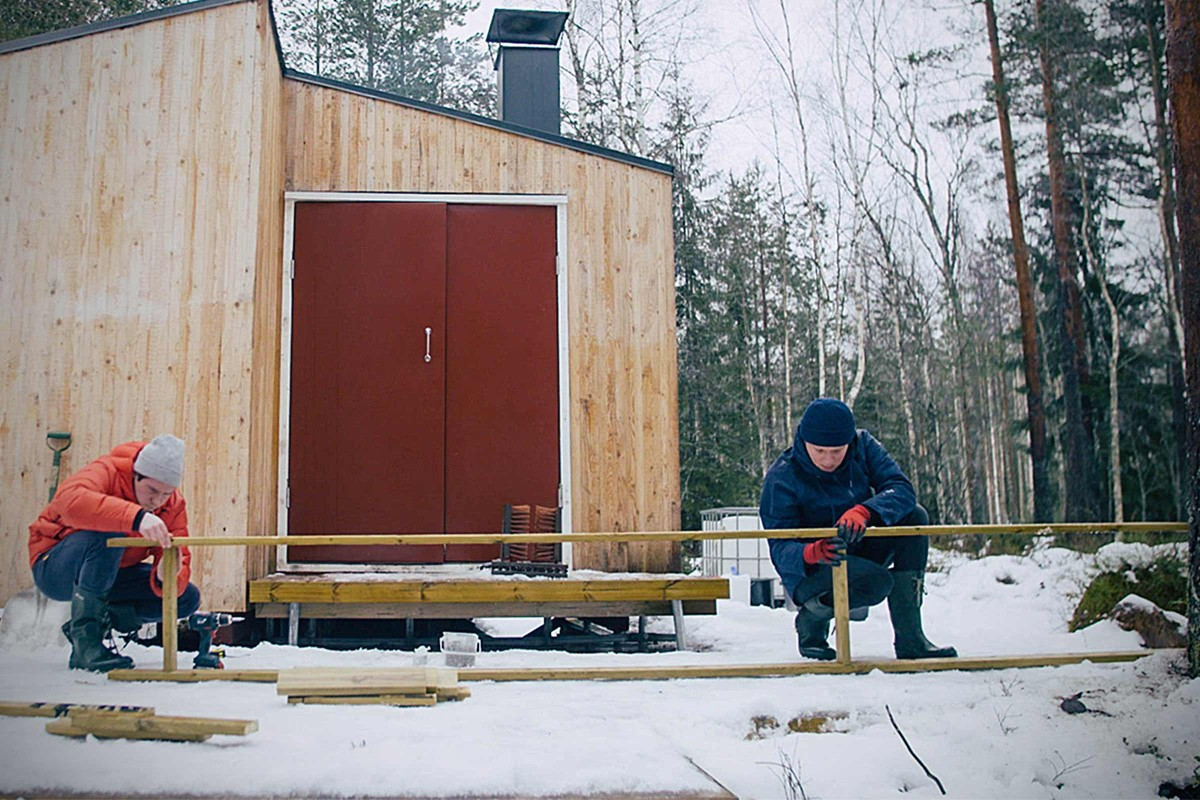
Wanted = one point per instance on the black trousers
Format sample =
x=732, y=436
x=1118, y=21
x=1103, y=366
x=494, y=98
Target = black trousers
x=867, y=565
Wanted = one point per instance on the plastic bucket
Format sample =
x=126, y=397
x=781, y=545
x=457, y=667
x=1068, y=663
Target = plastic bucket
x=459, y=649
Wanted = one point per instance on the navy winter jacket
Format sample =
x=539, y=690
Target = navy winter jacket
x=797, y=494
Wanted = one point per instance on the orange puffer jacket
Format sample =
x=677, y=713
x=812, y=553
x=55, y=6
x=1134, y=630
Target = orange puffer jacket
x=100, y=497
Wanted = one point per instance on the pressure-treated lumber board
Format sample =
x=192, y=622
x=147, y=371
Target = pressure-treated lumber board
x=174, y=724
x=786, y=670
x=170, y=609
x=452, y=693
x=195, y=675
x=702, y=671
x=487, y=591
x=668, y=536
x=349, y=681
x=428, y=699
x=387, y=610
x=841, y=612
x=114, y=725
x=18, y=709
x=439, y=678
x=65, y=726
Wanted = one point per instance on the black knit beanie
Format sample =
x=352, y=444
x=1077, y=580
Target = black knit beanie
x=828, y=423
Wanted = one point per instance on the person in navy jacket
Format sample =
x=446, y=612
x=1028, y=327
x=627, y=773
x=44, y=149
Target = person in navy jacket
x=837, y=476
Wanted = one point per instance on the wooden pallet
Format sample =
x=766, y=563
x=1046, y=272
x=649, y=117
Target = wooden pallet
x=400, y=686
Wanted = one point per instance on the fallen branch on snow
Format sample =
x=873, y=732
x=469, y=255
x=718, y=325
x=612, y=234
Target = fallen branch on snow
x=932, y=777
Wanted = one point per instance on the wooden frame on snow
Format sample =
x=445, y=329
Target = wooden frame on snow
x=844, y=661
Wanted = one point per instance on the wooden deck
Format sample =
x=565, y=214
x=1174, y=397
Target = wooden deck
x=465, y=595
x=406, y=589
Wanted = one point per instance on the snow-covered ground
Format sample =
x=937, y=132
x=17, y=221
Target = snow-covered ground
x=996, y=734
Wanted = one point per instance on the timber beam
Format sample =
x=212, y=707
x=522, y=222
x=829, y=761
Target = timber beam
x=662, y=536
x=694, y=671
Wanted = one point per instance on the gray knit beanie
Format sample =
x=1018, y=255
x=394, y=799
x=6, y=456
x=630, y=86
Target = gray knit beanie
x=161, y=459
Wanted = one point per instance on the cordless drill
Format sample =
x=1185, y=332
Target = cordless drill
x=205, y=623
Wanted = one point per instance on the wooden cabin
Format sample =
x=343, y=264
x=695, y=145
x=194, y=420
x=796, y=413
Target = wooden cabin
x=364, y=314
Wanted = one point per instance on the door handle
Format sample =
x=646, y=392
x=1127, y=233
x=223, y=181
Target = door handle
x=428, y=357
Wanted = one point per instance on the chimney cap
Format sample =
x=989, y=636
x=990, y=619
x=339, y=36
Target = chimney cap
x=518, y=26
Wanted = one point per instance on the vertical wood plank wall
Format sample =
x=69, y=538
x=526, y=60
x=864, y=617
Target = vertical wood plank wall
x=139, y=294
x=268, y=289
x=624, y=433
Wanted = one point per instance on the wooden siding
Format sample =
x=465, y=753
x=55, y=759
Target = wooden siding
x=624, y=433
x=139, y=294
x=263, y=486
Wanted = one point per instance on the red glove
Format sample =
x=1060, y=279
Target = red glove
x=853, y=524
x=827, y=552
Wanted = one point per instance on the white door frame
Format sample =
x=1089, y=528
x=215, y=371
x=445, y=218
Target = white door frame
x=285, y=356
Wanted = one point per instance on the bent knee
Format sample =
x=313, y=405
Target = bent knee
x=189, y=601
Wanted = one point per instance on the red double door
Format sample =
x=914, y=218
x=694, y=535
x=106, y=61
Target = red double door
x=424, y=380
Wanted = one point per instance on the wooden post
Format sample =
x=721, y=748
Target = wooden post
x=841, y=612
x=170, y=609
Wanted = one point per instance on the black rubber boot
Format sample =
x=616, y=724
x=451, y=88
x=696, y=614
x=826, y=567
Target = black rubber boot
x=812, y=635
x=86, y=630
x=904, y=604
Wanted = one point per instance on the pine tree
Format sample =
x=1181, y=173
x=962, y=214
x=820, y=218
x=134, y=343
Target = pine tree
x=1035, y=408
x=20, y=18
x=398, y=46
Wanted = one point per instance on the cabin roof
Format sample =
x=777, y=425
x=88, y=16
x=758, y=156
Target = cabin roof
x=79, y=31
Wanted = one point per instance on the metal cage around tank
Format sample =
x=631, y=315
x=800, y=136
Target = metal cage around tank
x=749, y=557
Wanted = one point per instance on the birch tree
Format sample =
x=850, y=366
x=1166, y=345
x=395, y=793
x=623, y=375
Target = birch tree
x=621, y=54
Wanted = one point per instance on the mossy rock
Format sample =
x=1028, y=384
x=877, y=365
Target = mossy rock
x=1162, y=583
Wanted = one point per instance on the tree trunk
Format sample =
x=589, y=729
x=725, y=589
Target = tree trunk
x=1114, y=357
x=1077, y=448
x=939, y=485
x=1183, y=80
x=860, y=302
x=1034, y=408
x=1166, y=221
x=638, y=91
x=1166, y=192
x=910, y=428
x=583, y=98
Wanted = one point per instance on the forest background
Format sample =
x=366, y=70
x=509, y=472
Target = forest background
x=955, y=215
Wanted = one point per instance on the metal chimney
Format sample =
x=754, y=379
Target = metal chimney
x=527, y=66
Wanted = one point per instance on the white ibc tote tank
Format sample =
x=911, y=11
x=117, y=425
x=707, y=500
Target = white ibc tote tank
x=745, y=557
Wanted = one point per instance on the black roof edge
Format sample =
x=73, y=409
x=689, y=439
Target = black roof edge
x=131, y=20
x=521, y=130
x=50, y=37
x=275, y=36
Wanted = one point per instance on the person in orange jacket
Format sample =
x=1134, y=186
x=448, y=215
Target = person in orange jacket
x=132, y=491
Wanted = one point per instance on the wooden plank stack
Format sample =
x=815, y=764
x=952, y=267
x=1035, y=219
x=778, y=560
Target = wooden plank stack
x=400, y=686
x=104, y=724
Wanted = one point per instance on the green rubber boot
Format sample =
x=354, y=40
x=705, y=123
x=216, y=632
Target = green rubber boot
x=904, y=604
x=86, y=630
